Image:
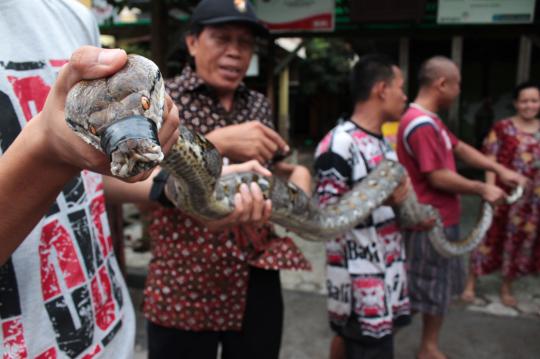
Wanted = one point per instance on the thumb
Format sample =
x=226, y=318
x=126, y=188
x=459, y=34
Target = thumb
x=87, y=63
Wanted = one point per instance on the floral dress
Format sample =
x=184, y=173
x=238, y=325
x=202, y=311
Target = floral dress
x=512, y=243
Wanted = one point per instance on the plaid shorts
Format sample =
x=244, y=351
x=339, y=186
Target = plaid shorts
x=433, y=279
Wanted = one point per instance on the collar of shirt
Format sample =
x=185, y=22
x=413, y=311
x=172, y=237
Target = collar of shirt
x=418, y=107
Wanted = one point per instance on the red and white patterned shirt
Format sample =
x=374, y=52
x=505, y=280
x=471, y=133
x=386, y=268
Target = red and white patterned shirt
x=366, y=277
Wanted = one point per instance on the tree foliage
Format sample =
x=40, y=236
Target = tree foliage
x=326, y=67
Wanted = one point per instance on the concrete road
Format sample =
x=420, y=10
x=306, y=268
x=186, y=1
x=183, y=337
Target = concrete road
x=486, y=330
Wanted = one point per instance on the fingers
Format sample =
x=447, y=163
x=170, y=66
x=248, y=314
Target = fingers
x=276, y=139
x=264, y=151
x=267, y=211
x=496, y=196
x=258, y=168
x=401, y=192
x=168, y=134
x=250, y=209
x=247, y=201
x=87, y=63
x=258, y=203
x=228, y=221
x=522, y=181
x=249, y=166
x=166, y=147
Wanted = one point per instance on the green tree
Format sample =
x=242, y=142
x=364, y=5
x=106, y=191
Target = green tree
x=326, y=67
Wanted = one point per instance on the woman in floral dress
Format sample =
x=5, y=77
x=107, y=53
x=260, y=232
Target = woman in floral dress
x=512, y=244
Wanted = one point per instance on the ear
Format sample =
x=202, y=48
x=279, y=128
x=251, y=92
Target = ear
x=191, y=43
x=440, y=83
x=379, y=89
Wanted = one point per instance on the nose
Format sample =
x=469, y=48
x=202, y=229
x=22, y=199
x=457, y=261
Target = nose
x=233, y=49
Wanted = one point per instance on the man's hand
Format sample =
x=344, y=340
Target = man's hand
x=60, y=142
x=249, y=166
x=492, y=194
x=511, y=178
x=61, y=145
x=169, y=132
x=248, y=141
x=250, y=207
x=400, y=193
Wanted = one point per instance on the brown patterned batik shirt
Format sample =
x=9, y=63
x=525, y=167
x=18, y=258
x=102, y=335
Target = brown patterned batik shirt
x=198, y=280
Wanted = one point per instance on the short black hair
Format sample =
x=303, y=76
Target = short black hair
x=522, y=86
x=195, y=29
x=369, y=70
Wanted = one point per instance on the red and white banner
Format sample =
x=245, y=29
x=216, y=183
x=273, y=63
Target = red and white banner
x=297, y=15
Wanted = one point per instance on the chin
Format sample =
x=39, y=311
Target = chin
x=228, y=85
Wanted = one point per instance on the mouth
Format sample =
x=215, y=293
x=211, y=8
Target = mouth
x=230, y=72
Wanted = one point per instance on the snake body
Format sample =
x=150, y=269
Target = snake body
x=120, y=115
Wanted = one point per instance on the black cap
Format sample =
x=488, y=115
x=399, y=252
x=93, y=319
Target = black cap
x=215, y=12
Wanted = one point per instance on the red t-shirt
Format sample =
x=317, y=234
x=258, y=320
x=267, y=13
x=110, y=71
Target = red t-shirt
x=426, y=145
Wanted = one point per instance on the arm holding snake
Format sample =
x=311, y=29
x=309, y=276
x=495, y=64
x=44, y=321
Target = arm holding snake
x=450, y=181
x=477, y=159
x=47, y=154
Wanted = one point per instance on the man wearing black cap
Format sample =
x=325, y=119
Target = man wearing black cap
x=206, y=288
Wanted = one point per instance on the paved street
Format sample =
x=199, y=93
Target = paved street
x=484, y=330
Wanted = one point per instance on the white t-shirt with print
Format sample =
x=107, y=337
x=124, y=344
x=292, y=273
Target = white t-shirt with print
x=62, y=294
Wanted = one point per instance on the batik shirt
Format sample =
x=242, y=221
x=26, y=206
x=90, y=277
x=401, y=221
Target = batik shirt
x=198, y=280
x=366, y=278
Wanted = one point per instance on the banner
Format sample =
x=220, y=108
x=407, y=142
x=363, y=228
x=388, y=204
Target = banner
x=485, y=11
x=297, y=15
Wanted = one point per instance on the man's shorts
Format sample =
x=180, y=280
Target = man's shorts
x=433, y=279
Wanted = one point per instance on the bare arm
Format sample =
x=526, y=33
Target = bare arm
x=29, y=184
x=475, y=158
x=47, y=154
x=490, y=176
x=449, y=181
x=297, y=174
x=118, y=192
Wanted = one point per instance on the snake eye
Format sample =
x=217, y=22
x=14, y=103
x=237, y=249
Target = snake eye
x=145, y=102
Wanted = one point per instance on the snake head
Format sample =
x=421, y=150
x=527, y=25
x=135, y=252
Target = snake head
x=121, y=115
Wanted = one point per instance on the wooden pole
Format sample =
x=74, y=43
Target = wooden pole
x=457, y=57
x=270, y=75
x=524, y=59
x=404, y=47
x=284, y=104
x=159, y=32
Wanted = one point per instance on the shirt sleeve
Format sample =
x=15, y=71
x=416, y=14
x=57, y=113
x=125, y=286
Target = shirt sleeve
x=266, y=112
x=333, y=174
x=453, y=139
x=492, y=143
x=428, y=148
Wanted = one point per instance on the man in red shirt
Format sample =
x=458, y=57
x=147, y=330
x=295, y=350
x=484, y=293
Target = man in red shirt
x=427, y=148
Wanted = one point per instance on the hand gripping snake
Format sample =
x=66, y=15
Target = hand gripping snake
x=122, y=114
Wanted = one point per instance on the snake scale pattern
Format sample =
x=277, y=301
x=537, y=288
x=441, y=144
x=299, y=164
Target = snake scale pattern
x=121, y=115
